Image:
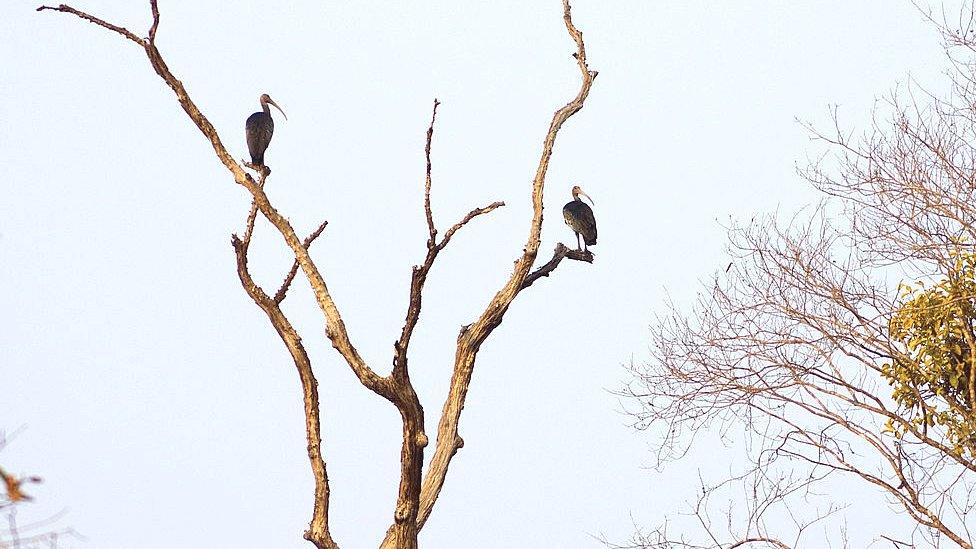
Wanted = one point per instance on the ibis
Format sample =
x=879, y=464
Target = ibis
x=579, y=217
x=259, y=128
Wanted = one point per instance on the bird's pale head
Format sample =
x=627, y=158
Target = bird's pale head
x=266, y=99
x=577, y=191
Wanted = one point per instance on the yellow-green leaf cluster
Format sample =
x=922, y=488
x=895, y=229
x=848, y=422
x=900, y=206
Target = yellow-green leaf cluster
x=933, y=376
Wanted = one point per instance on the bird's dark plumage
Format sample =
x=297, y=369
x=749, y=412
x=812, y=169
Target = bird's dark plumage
x=259, y=128
x=579, y=217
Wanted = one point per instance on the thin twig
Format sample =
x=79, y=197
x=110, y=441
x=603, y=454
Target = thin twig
x=101, y=23
x=283, y=289
x=771, y=541
x=252, y=215
x=427, y=210
x=464, y=221
x=155, y=25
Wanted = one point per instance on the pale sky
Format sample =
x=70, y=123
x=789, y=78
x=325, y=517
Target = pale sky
x=158, y=403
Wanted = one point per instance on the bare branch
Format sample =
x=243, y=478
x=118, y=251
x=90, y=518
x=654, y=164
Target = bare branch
x=558, y=255
x=283, y=289
x=427, y=211
x=464, y=221
x=335, y=327
x=403, y=532
x=155, y=25
x=767, y=541
x=252, y=215
x=63, y=8
x=471, y=338
x=318, y=531
x=419, y=273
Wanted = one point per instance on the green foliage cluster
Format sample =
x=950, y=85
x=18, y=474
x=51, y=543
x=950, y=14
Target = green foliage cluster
x=933, y=380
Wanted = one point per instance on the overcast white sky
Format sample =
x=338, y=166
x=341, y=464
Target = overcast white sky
x=160, y=406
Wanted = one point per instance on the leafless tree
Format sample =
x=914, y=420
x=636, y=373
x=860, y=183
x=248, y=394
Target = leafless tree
x=786, y=351
x=418, y=488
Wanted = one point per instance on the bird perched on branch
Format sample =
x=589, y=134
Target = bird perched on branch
x=259, y=128
x=579, y=217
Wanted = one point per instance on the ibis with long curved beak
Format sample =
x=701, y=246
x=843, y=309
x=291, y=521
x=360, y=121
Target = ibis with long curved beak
x=259, y=128
x=579, y=217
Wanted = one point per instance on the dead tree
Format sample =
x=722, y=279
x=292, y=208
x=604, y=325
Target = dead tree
x=418, y=488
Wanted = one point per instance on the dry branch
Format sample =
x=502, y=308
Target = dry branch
x=318, y=531
x=427, y=211
x=286, y=283
x=404, y=531
x=561, y=252
x=101, y=23
x=471, y=338
x=335, y=327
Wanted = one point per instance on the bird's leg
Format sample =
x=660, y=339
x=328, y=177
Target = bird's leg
x=577, y=241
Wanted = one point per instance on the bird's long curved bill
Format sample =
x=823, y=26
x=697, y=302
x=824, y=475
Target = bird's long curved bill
x=588, y=197
x=271, y=101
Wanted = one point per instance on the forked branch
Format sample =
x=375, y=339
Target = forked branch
x=318, y=531
x=403, y=532
x=420, y=272
x=286, y=283
x=472, y=337
x=335, y=327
